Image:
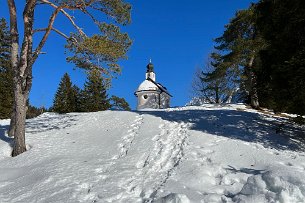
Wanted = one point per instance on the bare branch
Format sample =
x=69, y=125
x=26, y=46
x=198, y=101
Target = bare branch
x=53, y=29
x=77, y=6
x=39, y=30
x=85, y=11
x=66, y=14
x=48, y=30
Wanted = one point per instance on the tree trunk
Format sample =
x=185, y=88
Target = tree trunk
x=12, y=123
x=14, y=56
x=253, y=91
x=19, y=128
x=217, y=99
x=253, y=83
x=229, y=97
x=22, y=67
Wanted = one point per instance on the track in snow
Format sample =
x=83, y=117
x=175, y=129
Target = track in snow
x=145, y=178
x=128, y=139
x=157, y=165
x=88, y=192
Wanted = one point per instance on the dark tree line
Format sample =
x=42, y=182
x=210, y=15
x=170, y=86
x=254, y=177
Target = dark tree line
x=281, y=72
x=262, y=50
x=6, y=72
x=93, y=97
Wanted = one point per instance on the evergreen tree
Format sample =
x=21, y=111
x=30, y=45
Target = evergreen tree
x=33, y=111
x=240, y=44
x=65, y=99
x=94, y=95
x=214, y=83
x=119, y=103
x=213, y=80
x=77, y=92
x=282, y=75
x=6, y=72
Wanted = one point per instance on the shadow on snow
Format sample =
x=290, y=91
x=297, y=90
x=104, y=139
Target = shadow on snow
x=271, y=132
x=249, y=171
x=3, y=137
x=50, y=121
x=42, y=123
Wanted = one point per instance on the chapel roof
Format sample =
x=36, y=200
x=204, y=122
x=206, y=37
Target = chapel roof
x=147, y=85
x=150, y=85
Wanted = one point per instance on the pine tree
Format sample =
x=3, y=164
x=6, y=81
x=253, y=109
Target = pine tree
x=77, y=93
x=94, y=95
x=6, y=73
x=240, y=44
x=65, y=99
x=282, y=25
x=119, y=103
x=213, y=80
x=33, y=111
x=214, y=83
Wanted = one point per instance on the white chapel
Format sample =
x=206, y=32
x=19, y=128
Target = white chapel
x=151, y=94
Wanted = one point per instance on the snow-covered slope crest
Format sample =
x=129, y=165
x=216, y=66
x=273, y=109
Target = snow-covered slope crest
x=197, y=101
x=210, y=153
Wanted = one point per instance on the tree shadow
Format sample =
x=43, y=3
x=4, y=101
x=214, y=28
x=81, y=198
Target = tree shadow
x=249, y=171
x=3, y=137
x=50, y=121
x=43, y=123
x=271, y=132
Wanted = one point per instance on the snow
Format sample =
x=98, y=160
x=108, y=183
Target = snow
x=147, y=85
x=197, y=101
x=212, y=153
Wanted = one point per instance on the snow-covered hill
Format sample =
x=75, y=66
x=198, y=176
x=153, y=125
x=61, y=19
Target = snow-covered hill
x=189, y=154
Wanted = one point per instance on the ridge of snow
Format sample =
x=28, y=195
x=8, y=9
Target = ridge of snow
x=208, y=153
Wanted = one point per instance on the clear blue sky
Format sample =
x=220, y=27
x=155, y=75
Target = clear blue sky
x=176, y=34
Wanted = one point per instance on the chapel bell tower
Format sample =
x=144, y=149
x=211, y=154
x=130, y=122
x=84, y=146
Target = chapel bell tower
x=150, y=71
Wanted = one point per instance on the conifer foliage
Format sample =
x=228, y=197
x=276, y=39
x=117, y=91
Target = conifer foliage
x=282, y=75
x=6, y=78
x=236, y=55
x=6, y=72
x=119, y=103
x=94, y=95
x=66, y=98
x=214, y=83
x=240, y=45
x=77, y=98
x=263, y=47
